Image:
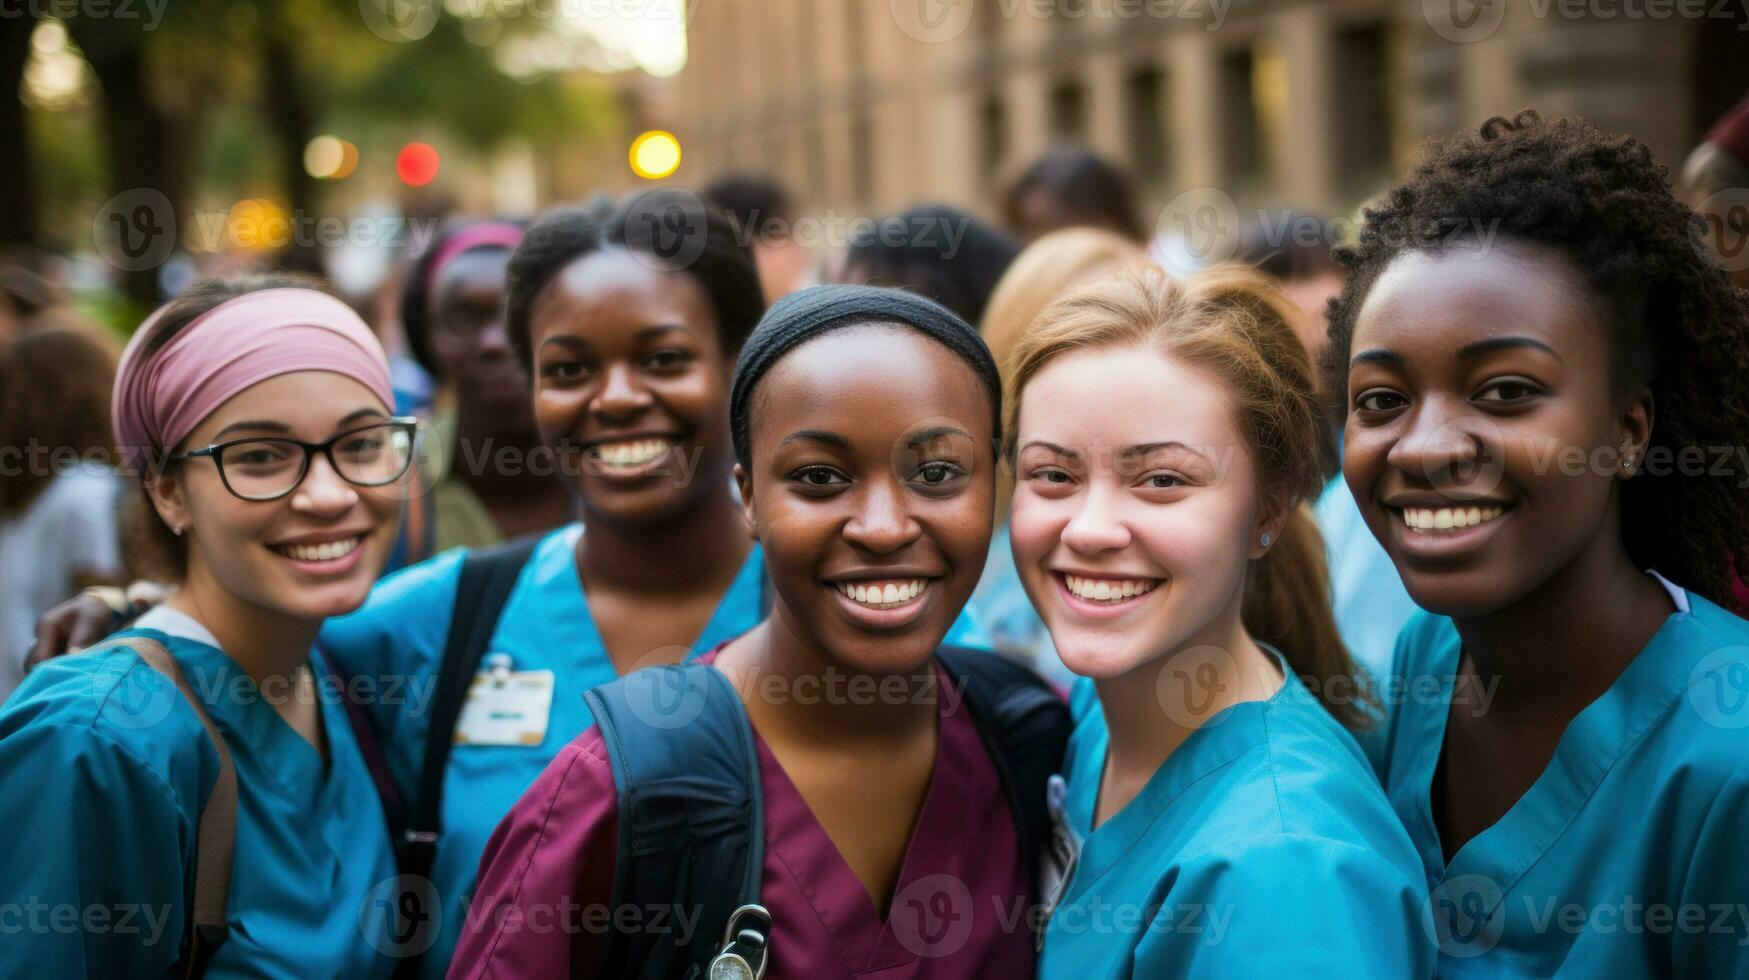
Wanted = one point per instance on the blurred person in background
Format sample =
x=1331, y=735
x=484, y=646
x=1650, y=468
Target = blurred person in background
x=1070, y=186
x=452, y=315
x=1296, y=248
x=59, y=494
x=764, y=217
x=937, y=251
x=1057, y=262
x=1715, y=183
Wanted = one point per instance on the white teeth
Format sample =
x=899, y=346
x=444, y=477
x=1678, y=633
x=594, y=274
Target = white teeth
x=629, y=454
x=327, y=551
x=882, y=595
x=1422, y=519
x=1108, y=590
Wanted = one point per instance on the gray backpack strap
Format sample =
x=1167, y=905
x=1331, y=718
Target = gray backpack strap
x=216, y=837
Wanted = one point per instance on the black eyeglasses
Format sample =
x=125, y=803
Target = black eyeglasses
x=268, y=468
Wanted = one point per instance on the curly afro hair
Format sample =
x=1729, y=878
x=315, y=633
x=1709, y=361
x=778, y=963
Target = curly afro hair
x=1675, y=322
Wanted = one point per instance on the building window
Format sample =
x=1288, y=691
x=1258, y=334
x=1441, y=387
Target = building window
x=1241, y=143
x=990, y=17
x=1068, y=111
x=1363, y=107
x=814, y=146
x=861, y=166
x=1145, y=106
x=993, y=133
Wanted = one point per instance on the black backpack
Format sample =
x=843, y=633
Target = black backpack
x=691, y=821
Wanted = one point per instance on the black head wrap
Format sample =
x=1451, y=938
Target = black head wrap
x=803, y=315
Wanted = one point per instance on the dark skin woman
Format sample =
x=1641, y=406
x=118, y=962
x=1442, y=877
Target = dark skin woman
x=630, y=382
x=835, y=505
x=463, y=342
x=1544, y=430
x=1544, y=594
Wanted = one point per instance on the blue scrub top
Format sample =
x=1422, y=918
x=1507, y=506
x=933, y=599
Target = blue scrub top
x=399, y=635
x=103, y=770
x=1262, y=847
x=1015, y=627
x=1366, y=593
x=1629, y=855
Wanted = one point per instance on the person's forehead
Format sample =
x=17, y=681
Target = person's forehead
x=881, y=374
x=1506, y=286
x=1125, y=396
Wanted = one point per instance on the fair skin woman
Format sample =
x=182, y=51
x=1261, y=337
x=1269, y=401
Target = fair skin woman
x=1156, y=492
x=251, y=579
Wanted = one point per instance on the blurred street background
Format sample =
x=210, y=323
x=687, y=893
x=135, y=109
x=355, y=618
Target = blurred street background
x=154, y=140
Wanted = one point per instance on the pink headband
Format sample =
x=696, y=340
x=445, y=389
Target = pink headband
x=160, y=399
x=496, y=234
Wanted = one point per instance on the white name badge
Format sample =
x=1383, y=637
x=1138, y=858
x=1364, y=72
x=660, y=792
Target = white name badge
x=506, y=708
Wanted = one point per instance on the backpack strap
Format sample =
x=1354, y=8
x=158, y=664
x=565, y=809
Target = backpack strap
x=691, y=818
x=487, y=577
x=1025, y=727
x=216, y=835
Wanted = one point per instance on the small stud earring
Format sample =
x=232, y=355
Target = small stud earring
x=1266, y=539
x=1627, y=462
x=176, y=529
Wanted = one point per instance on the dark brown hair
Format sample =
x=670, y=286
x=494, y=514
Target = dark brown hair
x=54, y=407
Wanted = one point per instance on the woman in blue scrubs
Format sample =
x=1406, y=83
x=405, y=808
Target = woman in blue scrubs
x=1534, y=396
x=258, y=413
x=1217, y=819
x=630, y=356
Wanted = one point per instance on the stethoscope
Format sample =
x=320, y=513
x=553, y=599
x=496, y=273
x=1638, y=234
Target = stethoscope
x=746, y=946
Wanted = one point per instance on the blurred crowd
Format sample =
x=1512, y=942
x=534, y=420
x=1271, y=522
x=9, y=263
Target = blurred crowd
x=439, y=308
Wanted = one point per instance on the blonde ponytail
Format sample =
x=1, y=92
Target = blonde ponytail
x=1287, y=605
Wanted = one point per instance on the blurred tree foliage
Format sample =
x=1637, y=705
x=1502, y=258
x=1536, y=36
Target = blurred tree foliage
x=226, y=93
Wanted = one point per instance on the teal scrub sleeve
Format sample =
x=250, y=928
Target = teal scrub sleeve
x=96, y=844
x=1290, y=906
x=1716, y=890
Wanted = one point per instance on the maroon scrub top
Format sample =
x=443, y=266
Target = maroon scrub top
x=959, y=910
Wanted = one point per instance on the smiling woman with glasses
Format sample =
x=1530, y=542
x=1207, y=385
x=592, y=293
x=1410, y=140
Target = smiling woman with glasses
x=196, y=765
